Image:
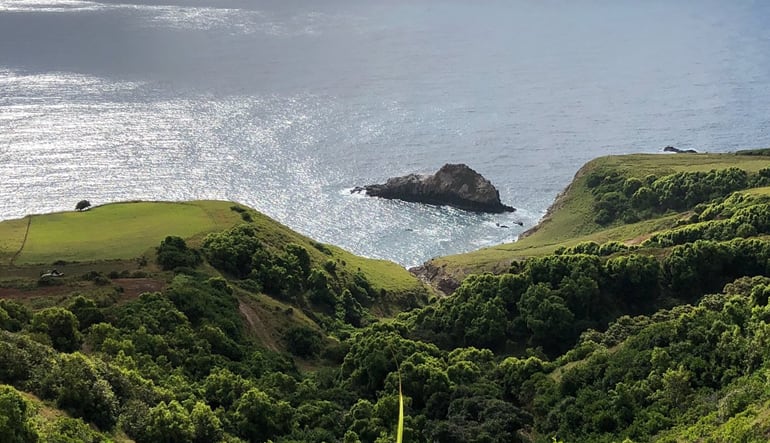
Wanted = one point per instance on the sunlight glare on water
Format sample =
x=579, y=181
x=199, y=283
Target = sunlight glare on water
x=285, y=106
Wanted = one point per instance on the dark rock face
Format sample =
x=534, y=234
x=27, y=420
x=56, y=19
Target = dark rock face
x=437, y=277
x=679, y=151
x=453, y=185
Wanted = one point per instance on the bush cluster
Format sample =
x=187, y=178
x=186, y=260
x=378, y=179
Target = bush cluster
x=630, y=199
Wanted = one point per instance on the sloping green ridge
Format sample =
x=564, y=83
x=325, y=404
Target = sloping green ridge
x=132, y=229
x=381, y=274
x=570, y=220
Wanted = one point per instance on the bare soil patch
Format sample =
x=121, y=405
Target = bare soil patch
x=257, y=326
x=44, y=291
x=638, y=240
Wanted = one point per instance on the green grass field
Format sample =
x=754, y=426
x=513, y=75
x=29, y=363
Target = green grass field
x=113, y=231
x=12, y=234
x=109, y=238
x=765, y=191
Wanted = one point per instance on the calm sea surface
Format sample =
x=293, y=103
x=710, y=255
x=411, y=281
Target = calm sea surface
x=286, y=105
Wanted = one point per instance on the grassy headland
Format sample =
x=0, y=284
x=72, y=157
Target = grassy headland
x=571, y=218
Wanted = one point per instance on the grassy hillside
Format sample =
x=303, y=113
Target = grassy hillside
x=108, y=344
x=381, y=274
x=12, y=235
x=640, y=311
x=108, y=253
x=126, y=231
x=570, y=220
x=113, y=231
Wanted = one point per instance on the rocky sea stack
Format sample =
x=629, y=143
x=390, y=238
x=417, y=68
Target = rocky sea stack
x=453, y=185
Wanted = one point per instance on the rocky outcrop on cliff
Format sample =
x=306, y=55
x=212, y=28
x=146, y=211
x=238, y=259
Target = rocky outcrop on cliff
x=454, y=185
x=437, y=277
x=679, y=151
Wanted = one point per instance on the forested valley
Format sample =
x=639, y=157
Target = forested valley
x=663, y=338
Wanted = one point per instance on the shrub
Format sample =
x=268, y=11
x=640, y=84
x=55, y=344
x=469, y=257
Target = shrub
x=330, y=266
x=15, y=417
x=631, y=185
x=174, y=253
x=60, y=325
x=303, y=341
x=69, y=430
x=322, y=248
x=13, y=316
x=233, y=251
x=746, y=230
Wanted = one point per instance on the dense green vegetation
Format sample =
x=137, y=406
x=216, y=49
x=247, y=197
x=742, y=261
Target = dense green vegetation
x=632, y=199
x=572, y=217
x=660, y=339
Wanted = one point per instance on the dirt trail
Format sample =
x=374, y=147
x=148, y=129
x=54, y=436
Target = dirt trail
x=45, y=291
x=23, y=242
x=256, y=325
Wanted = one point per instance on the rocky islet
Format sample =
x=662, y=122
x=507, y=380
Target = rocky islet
x=455, y=185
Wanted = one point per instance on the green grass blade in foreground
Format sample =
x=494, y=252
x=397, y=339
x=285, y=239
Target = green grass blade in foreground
x=400, y=430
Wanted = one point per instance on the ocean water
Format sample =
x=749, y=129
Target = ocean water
x=287, y=105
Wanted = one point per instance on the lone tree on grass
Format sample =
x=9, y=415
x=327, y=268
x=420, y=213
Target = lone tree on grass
x=82, y=204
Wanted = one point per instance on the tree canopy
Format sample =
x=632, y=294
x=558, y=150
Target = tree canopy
x=82, y=205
